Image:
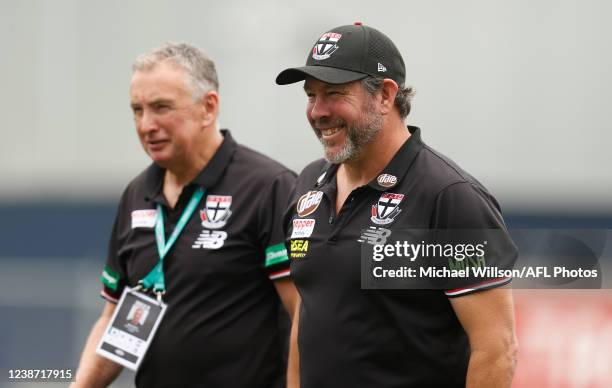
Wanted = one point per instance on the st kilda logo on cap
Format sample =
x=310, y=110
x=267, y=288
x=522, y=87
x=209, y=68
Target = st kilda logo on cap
x=326, y=45
x=386, y=180
x=308, y=203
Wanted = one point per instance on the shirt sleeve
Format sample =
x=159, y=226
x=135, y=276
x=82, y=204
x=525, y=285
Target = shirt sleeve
x=276, y=199
x=464, y=206
x=113, y=276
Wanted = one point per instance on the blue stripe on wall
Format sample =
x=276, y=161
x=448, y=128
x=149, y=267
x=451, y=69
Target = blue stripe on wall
x=81, y=230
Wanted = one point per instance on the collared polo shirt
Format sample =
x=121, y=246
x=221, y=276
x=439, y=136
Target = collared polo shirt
x=354, y=337
x=221, y=328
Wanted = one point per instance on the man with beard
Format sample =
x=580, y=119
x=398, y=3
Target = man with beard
x=377, y=177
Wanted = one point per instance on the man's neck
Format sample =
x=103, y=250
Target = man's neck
x=183, y=172
x=374, y=158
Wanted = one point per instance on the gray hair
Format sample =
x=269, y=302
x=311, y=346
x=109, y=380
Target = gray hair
x=402, y=99
x=199, y=67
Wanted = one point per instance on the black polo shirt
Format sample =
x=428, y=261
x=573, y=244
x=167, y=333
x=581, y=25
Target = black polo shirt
x=221, y=325
x=353, y=337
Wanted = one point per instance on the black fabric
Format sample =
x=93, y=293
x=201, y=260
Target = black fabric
x=221, y=328
x=348, y=53
x=353, y=337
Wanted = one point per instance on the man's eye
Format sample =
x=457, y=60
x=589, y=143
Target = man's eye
x=161, y=107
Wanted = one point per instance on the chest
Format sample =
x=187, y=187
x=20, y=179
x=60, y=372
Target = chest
x=218, y=240
x=325, y=245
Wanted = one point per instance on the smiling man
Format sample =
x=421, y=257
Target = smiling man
x=222, y=271
x=377, y=177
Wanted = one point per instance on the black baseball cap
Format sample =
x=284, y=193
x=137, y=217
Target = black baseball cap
x=349, y=53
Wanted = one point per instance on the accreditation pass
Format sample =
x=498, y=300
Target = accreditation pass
x=131, y=329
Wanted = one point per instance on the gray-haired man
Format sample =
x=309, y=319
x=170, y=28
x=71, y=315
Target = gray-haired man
x=219, y=270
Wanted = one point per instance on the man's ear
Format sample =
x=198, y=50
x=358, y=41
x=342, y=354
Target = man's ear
x=387, y=95
x=210, y=105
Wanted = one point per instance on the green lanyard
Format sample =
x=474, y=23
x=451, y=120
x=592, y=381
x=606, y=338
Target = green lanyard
x=155, y=278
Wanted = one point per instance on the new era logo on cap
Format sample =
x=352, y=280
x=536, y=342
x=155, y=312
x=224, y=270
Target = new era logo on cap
x=381, y=67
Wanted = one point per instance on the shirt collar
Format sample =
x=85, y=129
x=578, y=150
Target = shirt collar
x=397, y=168
x=207, y=178
x=391, y=175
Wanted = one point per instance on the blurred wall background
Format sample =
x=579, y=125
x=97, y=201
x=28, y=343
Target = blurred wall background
x=516, y=92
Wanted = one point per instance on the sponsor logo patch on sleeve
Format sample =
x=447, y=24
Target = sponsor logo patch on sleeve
x=276, y=254
x=110, y=278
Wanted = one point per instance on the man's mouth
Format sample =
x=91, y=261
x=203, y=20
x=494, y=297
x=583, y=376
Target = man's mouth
x=329, y=132
x=156, y=144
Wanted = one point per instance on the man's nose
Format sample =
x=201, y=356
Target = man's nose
x=148, y=122
x=318, y=109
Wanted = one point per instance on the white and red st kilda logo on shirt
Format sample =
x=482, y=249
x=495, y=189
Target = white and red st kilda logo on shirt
x=386, y=209
x=326, y=46
x=216, y=212
x=308, y=203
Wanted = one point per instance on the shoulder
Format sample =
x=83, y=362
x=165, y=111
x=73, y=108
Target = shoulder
x=459, y=200
x=311, y=172
x=134, y=197
x=453, y=194
x=258, y=166
x=138, y=186
x=144, y=177
x=438, y=173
